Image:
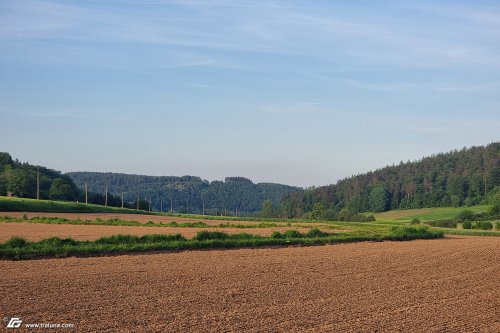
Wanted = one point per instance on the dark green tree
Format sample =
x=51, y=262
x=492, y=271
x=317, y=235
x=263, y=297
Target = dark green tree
x=379, y=199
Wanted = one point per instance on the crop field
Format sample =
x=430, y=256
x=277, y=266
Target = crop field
x=39, y=231
x=211, y=220
x=426, y=214
x=446, y=285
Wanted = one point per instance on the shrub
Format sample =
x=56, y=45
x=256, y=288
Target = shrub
x=209, y=235
x=315, y=232
x=16, y=242
x=276, y=234
x=292, y=234
x=58, y=242
x=484, y=225
x=466, y=215
x=415, y=221
x=467, y=225
x=497, y=225
x=495, y=210
x=370, y=218
x=443, y=223
x=398, y=232
x=155, y=238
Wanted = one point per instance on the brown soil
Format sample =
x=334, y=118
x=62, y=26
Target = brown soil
x=447, y=285
x=38, y=231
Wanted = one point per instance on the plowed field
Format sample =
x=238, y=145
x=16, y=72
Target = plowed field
x=446, y=285
x=39, y=231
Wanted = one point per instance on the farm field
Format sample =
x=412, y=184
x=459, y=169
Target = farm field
x=39, y=231
x=445, y=285
x=128, y=217
x=427, y=214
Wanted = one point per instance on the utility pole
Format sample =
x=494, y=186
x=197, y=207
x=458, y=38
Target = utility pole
x=37, y=183
x=86, y=194
x=161, y=205
x=106, y=194
x=137, y=201
x=171, y=203
x=203, y=207
x=149, y=203
x=122, y=199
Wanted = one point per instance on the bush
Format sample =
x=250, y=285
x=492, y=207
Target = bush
x=16, y=242
x=466, y=215
x=58, y=242
x=276, y=234
x=484, y=225
x=467, y=225
x=443, y=223
x=210, y=235
x=315, y=232
x=292, y=234
x=494, y=210
x=398, y=232
x=370, y=218
x=154, y=238
x=497, y=225
x=415, y=221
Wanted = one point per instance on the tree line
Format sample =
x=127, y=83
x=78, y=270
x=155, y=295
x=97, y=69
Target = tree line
x=21, y=179
x=463, y=177
x=236, y=196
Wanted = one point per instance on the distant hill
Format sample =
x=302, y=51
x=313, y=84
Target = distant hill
x=19, y=179
x=187, y=194
x=458, y=178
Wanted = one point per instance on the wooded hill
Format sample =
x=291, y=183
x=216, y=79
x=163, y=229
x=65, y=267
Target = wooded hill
x=20, y=180
x=187, y=194
x=458, y=178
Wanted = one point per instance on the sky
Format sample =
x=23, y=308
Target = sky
x=297, y=92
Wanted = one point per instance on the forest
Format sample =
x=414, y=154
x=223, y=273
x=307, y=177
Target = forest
x=19, y=179
x=187, y=194
x=463, y=177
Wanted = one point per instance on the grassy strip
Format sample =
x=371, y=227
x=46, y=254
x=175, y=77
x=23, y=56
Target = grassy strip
x=468, y=232
x=18, y=248
x=118, y=222
x=33, y=205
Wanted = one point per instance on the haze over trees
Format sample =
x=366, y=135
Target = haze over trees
x=458, y=178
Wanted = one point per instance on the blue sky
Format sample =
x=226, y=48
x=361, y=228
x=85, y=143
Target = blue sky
x=297, y=92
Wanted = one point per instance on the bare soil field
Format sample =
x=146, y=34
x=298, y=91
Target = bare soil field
x=39, y=231
x=446, y=285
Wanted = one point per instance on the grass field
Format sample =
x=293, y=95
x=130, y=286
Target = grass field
x=8, y=204
x=426, y=214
